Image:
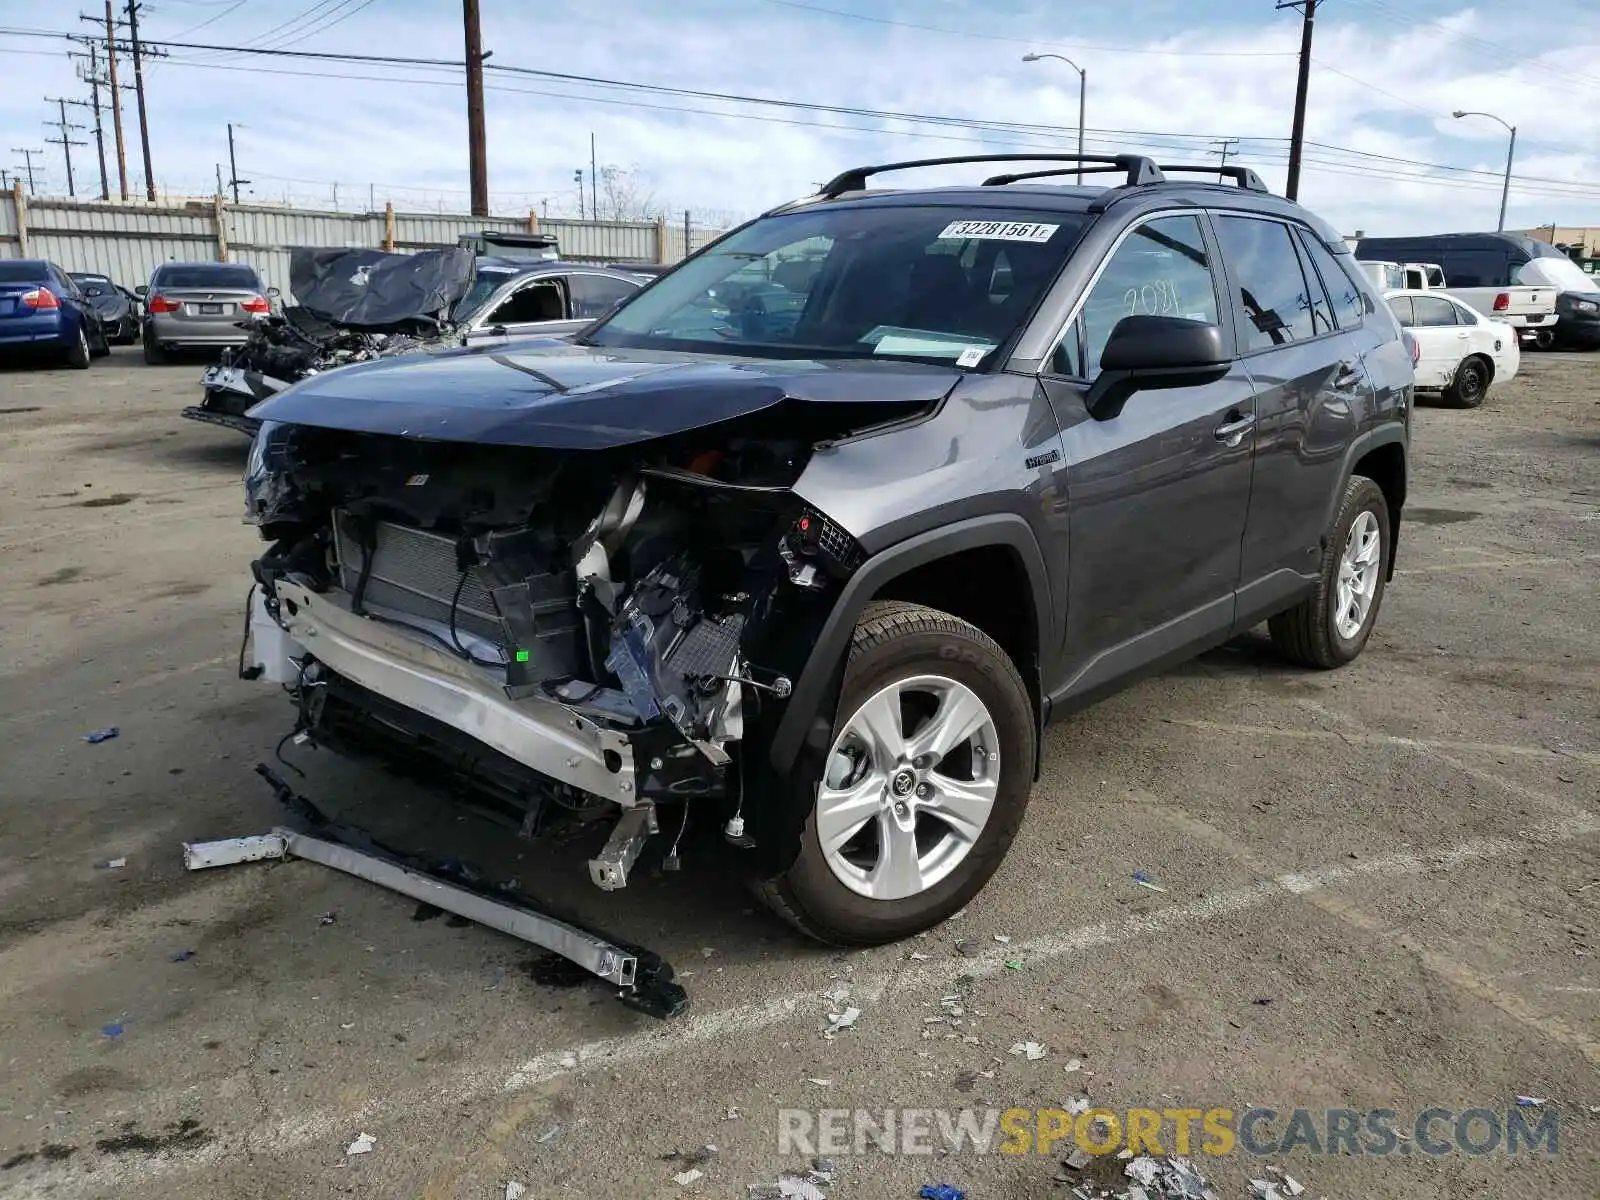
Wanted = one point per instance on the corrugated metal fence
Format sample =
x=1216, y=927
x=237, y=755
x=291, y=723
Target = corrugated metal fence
x=128, y=241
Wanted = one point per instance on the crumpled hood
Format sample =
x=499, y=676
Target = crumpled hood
x=550, y=394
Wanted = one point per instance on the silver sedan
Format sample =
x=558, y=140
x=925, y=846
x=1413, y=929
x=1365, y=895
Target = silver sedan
x=201, y=305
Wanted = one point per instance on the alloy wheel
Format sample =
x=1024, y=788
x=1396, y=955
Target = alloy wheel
x=910, y=784
x=1357, y=583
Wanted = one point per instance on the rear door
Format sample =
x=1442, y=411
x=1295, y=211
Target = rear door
x=1310, y=387
x=1442, y=337
x=1156, y=495
x=594, y=295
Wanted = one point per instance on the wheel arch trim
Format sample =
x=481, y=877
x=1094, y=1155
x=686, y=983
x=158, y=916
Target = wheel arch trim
x=822, y=671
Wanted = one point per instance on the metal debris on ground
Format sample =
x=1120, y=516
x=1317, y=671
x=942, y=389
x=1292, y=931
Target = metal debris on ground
x=101, y=735
x=685, y=1178
x=111, y=864
x=918, y=956
x=967, y=948
x=1531, y=1101
x=183, y=956
x=327, y=918
x=515, y=1190
x=499, y=978
x=548, y=1133
x=1078, y=1159
x=821, y=1082
x=1169, y=1178
x=362, y=1145
x=731, y=1115
x=838, y=993
x=790, y=1187
x=822, y=1170
x=941, y=1191
x=1142, y=878
x=1033, y=1051
x=841, y=1020
x=1002, y=939
x=1078, y=1105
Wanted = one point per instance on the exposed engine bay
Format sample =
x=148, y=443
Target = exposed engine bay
x=550, y=635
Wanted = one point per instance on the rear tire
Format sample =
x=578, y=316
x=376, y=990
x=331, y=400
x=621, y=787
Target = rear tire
x=913, y=672
x=1544, y=338
x=1470, y=387
x=1321, y=630
x=78, y=354
x=153, y=353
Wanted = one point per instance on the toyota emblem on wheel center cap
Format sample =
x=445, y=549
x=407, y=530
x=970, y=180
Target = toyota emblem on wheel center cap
x=903, y=782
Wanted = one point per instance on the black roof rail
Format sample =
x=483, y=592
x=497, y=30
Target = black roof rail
x=1243, y=176
x=1019, y=176
x=1139, y=168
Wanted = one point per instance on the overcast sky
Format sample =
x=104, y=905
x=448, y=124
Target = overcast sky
x=1388, y=75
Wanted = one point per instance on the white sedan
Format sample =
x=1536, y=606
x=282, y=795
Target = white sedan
x=1463, y=352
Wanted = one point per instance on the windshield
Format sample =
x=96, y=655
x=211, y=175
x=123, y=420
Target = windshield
x=929, y=283
x=1554, y=272
x=204, y=276
x=483, y=286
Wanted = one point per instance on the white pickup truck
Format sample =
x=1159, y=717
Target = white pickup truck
x=1529, y=309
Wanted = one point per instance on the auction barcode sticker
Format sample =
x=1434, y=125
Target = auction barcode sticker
x=999, y=231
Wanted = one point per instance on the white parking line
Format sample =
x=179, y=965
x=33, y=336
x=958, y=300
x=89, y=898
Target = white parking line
x=484, y=1083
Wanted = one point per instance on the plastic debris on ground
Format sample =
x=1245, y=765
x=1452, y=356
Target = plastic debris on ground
x=1169, y=1178
x=515, y=1190
x=918, y=956
x=183, y=956
x=1531, y=1101
x=841, y=1020
x=1002, y=939
x=112, y=1029
x=111, y=864
x=548, y=1133
x=821, y=1082
x=837, y=994
x=967, y=948
x=1078, y=1105
x=1078, y=1159
x=362, y=1145
x=1142, y=878
x=101, y=735
x=794, y=1187
x=685, y=1178
x=1032, y=1051
x=1073, y=1064
x=1013, y=965
x=327, y=918
x=941, y=1191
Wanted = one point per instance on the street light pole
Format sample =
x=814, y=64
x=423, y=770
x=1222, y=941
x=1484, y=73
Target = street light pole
x=1511, y=154
x=1083, y=95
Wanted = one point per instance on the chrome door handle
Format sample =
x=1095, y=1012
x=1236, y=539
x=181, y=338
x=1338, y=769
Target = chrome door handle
x=1231, y=433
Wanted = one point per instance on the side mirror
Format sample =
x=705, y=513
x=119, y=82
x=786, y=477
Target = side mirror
x=1160, y=352
x=273, y=293
x=141, y=291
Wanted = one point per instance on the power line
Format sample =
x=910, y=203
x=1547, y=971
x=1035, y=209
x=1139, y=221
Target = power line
x=995, y=37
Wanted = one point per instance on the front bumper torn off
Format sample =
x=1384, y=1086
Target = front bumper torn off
x=541, y=734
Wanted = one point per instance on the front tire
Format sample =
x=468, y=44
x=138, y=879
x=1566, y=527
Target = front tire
x=1331, y=626
x=923, y=787
x=1470, y=386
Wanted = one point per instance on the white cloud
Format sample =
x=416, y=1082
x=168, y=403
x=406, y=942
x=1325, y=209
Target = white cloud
x=407, y=141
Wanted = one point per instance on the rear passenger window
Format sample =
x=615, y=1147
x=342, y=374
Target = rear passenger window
x=1272, y=289
x=1433, y=310
x=1160, y=269
x=1400, y=306
x=1343, y=294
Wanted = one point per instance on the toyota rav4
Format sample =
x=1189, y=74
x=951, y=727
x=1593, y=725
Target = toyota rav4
x=811, y=537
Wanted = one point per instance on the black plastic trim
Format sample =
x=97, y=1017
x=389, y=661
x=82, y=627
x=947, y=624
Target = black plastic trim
x=821, y=671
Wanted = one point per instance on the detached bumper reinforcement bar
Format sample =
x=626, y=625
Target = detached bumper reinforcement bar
x=646, y=981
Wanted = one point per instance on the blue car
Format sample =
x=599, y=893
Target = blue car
x=42, y=309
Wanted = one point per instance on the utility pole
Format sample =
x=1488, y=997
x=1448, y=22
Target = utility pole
x=116, y=94
x=1297, y=136
x=1226, y=146
x=95, y=84
x=594, y=181
x=233, y=167
x=138, y=87
x=65, y=141
x=5, y=180
x=27, y=158
x=477, y=138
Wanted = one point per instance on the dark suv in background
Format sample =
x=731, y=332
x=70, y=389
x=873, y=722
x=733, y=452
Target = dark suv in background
x=815, y=532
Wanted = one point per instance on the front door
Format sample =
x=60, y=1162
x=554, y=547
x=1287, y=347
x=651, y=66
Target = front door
x=1442, y=340
x=1157, y=494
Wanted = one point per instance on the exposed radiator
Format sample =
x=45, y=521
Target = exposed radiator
x=414, y=571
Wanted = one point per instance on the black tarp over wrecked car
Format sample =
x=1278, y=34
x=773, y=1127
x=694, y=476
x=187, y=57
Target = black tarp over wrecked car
x=373, y=289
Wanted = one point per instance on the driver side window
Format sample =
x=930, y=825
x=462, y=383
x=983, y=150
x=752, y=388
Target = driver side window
x=1160, y=269
x=543, y=300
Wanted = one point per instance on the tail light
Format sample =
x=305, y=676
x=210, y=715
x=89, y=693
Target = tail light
x=1412, y=345
x=160, y=304
x=1502, y=302
x=256, y=304
x=40, y=298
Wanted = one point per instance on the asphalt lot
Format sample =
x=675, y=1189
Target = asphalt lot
x=1382, y=885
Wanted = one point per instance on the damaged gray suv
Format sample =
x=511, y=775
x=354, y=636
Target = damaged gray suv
x=810, y=538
